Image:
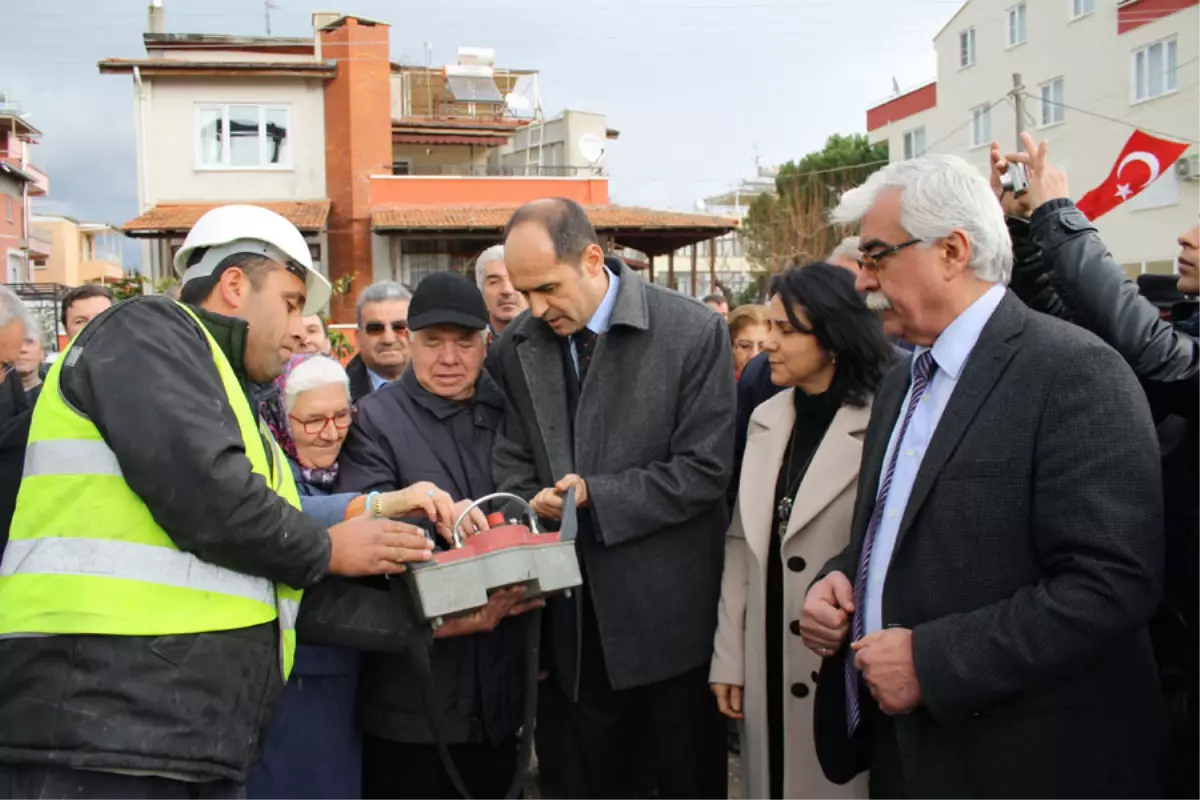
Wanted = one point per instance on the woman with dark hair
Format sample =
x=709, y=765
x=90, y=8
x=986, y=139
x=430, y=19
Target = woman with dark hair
x=794, y=509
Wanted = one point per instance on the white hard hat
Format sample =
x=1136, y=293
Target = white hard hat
x=228, y=230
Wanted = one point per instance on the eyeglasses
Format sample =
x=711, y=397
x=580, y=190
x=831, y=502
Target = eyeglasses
x=376, y=328
x=871, y=260
x=341, y=420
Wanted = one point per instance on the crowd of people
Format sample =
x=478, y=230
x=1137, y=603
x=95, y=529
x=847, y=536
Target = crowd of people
x=924, y=523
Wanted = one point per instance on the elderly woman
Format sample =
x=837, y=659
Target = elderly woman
x=747, y=332
x=793, y=512
x=314, y=748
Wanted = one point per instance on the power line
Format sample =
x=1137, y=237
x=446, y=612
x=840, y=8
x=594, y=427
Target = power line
x=1107, y=118
x=970, y=120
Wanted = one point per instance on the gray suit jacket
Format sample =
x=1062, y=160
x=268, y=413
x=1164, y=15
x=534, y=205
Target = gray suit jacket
x=1027, y=566
x=653, y=438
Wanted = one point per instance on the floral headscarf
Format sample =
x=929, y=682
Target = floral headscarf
x=274, y=413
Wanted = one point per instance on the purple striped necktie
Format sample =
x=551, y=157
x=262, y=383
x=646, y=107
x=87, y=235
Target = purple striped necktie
x=922, y=372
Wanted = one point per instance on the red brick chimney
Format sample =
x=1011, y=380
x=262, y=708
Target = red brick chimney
x=358, y=144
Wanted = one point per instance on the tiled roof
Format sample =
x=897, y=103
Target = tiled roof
x=495, y=217
x=308, y=215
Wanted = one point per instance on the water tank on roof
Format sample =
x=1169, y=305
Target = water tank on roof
x=476, y=56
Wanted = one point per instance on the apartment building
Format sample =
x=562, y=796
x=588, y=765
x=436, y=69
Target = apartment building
x=20, y=182
x=390, y=170
x=1090, y=73
x=80, y=252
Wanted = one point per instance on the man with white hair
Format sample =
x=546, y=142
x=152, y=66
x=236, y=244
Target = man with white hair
x=1009, y=496
x=16, y=325
x=845, y=255
x=504, y=303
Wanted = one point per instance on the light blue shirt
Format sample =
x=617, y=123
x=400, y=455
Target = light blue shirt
x=598, y=324
x=950, y=353
x=377, y=380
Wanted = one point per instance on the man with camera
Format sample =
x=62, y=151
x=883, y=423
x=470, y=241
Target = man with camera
x=1063, y=268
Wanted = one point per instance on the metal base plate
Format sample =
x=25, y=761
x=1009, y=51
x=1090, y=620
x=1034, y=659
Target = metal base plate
x=463, y=584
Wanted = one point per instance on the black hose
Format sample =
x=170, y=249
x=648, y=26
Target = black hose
x=422, y=659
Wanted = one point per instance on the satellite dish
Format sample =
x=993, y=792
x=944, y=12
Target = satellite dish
x=591, y=147
x=516, y=102
x=701, y=206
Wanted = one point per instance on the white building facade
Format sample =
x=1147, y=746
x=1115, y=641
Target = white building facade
x=1093, y=71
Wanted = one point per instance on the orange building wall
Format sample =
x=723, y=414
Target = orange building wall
x=358, y=144
x=436, y=191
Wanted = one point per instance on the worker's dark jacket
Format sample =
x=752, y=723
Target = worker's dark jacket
x=1063, y=268
x=403, y=434
x=189, y=706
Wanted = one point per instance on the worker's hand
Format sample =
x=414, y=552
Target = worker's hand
x=1046, y=181
x=420, y=498
x=729, y=699
x=475, y=522
x=577, y=483
x=547, y=504
x=366, y=546
x=502, y=603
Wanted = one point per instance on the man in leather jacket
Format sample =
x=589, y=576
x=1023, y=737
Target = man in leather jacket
x=1063, y=268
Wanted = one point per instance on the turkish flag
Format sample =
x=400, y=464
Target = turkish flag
x=1139, y=165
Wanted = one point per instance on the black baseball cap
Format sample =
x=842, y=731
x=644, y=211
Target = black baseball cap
x=447, y=298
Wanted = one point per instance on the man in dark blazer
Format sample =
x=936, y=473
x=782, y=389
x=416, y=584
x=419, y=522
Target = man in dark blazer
x=382, y=314
x=623, y=391
x=1009, y=495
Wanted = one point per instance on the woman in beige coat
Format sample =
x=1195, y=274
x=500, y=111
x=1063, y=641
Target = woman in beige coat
x=793, y=513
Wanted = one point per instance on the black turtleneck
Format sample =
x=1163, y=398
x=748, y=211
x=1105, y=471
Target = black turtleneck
x=813, y=415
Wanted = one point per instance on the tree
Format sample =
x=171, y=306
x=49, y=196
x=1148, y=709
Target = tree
x=792, y=226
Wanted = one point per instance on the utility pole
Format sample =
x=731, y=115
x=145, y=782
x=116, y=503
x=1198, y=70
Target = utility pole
x=1018, y=97
x=267, y=6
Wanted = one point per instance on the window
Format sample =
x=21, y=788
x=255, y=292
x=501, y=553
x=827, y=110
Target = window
x=1016, y=25
x=966, y=48
x=1080, y=8
x=981, y=126
x=1052, y=102
x=402, y=167
x=243, y=137
x=1155, y=71
x=914, y=142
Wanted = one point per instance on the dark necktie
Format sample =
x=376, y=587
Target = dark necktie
x=922, y=373
x=585, y=346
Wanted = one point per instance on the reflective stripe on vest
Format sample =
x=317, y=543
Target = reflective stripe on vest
x=85, y=555
x=130, y=561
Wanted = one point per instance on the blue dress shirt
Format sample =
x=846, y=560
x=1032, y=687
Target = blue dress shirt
x=598, y=324
x=950, y=353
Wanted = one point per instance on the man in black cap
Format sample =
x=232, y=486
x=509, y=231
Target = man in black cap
x=437, y=423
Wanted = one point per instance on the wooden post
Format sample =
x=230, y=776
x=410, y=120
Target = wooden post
x=671, y=270
x=712, y=266
x=692, y=290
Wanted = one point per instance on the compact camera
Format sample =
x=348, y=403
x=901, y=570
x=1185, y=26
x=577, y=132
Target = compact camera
x=1015, y=179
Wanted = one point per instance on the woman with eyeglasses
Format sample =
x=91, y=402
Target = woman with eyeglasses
x=747, y=332
x=314, y=748
x=794, y=508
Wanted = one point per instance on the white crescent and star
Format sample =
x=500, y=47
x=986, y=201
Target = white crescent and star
x=1124, y=190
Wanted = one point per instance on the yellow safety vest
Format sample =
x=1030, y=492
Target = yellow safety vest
x=85, y=556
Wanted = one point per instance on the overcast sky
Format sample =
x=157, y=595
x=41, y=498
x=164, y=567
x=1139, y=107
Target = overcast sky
x=694, y=86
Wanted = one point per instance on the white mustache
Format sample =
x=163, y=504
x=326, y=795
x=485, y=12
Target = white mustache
x=876, y=301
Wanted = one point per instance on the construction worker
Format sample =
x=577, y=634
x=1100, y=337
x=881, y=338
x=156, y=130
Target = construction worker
x=149, y=590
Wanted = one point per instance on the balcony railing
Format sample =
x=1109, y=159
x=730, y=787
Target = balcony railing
x=495, y=170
